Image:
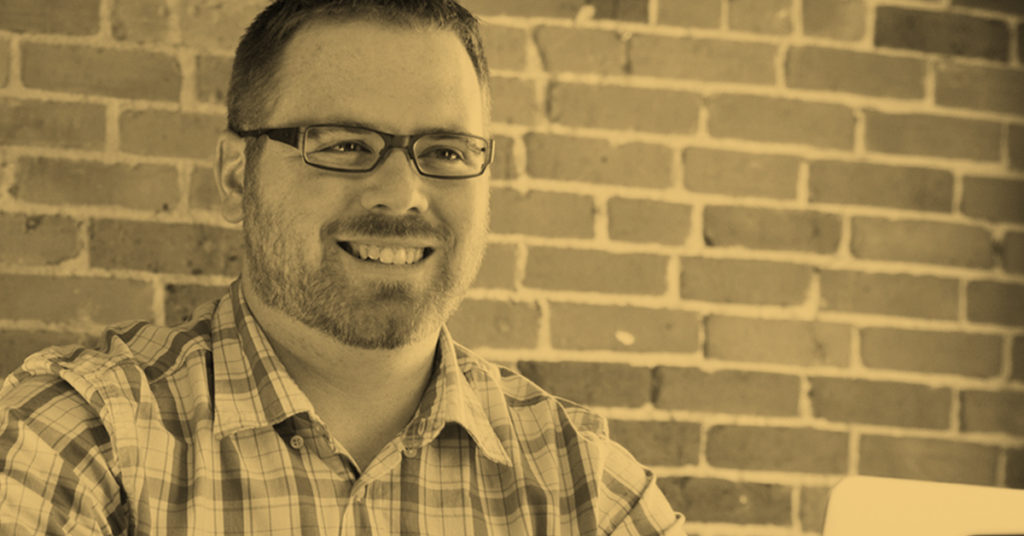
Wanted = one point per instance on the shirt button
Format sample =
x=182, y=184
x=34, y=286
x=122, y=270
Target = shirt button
x=296, y=442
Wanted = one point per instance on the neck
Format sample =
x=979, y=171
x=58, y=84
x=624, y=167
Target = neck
x=329, y=371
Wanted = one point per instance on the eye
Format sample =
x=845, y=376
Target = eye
x=444, y=153
x=349, y=147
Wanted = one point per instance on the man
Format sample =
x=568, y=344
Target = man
x=323, y=394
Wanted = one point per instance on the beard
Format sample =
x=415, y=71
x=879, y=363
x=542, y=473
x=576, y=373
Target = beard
x=379, y=315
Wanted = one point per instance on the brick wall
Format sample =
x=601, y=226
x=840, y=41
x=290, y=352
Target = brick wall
x=774, y=241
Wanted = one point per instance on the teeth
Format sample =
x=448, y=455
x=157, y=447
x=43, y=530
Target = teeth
x=387, y=255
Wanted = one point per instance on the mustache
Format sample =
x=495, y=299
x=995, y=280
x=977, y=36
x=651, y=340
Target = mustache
x=372, y=224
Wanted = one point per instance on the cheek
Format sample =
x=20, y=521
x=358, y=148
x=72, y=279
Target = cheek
x=292, y=217
x=467, y=211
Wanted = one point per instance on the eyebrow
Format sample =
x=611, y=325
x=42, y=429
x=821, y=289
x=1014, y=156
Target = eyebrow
x=420, y=132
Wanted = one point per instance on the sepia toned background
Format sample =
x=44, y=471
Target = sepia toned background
x=774, y=241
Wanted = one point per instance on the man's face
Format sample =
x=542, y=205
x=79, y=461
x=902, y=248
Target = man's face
x=381, y=258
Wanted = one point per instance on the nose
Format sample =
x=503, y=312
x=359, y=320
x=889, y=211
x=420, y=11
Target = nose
x=395, y=187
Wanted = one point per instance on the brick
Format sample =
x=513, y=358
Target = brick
x=726, y=391
x=941, y=33
x=74, y=299
x=993, y=5
x=986, y=411
x=843, y=20
x=600, y=384
x=73, y=17
x=203, y=192
x=743, y=281
x=498, y=269
x=494, y=324
x=216, y=25
x=550, y=213
x=38, y=240
x=762, y=228
x=160, y=133
x=777, y=449
x=1015, y=468
x=981, y=88
x=595, y=271
x=52, y=124
x=691, y=13
x=503, y=164
x=778, y=120
x=716, y=500
x=625, y=108
x=740, y=174
x=5, y=61
x=945, y=137
x=84, y=182
x=525, y=8
x=966, y=354
x=994, y=199
x=597, y=161
x=1013, y=252
x=194, y=249
x=505, y=46
x=212, y=76
x=711, y=60
x=1017, y=372
x=580, y=50
x=922, y=241
x=140, y=20
x=813, y=502
x=996, y=303
x=625, y=10
x=859, y=183
x=1020, y=40
x=927, y=459
x=640, y=220
x=181, y=300
x=1016, y=141
x=790, y=342
x=877, y=402
x=761, y=16
x=658, y=443
x=830, y=69
x=889, y=294
x=129, y=74
x=635, y=329
x=15, y=346
x=513, y=101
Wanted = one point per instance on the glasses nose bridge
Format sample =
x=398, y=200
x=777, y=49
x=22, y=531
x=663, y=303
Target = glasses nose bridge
x=398, y=141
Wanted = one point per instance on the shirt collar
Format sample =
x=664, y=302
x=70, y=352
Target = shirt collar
x=252, y=389
x=450, y=398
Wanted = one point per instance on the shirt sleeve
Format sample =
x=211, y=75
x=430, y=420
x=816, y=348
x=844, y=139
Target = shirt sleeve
x=631, y=504
x=55, y=464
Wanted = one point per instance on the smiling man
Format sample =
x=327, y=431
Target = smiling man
x=322, y=394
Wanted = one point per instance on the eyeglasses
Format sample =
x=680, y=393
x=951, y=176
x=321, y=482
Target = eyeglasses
x=443, y=155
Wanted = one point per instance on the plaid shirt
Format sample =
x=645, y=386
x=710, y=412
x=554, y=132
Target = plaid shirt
x=198, y=429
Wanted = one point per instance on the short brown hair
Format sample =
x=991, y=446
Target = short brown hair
x=259, y=52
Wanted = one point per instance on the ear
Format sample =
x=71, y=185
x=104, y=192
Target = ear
x=230, y=174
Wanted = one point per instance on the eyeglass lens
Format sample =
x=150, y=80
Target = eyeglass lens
x=356, y=149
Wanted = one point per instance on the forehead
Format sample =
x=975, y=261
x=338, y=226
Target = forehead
x=398, y=78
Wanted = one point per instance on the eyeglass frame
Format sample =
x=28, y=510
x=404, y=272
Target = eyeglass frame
x=293, y=136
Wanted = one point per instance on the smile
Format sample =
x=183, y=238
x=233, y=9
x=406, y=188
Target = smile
x=385, y=254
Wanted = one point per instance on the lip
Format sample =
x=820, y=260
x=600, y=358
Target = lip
x=387, y=242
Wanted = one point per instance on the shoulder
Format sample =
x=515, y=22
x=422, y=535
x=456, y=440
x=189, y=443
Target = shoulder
x=127, y=359
x=528, y=405
x=565, y=446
